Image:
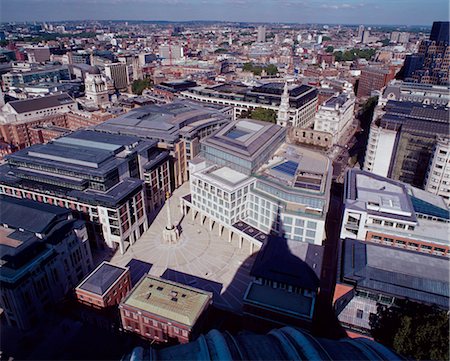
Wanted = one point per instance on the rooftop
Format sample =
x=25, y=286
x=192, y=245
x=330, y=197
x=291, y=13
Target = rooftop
x=397, y=272
x=297, y=168
x=245, y=138
x=33, y=104
x=171, y=300
x=31, y=216
x=102, y=278
x=161, y=122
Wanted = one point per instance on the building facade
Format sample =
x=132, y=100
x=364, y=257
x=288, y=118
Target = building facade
x=391, y=213
x=246, y=175
x=438, y=175
x=335, y=116
x=104, y=287
x=118, y=72
x=402, y=138
x=163, y=311
x=302, y=100
x=98, y=175
x=373, y=79
x=45, y=253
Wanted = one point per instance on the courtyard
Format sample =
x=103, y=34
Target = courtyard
x=201, y=258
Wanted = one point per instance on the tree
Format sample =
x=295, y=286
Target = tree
x=138, y=86
x=271, y=69
x=413, y=330
x=266, y=115
x=326, y=38
x=329, y=49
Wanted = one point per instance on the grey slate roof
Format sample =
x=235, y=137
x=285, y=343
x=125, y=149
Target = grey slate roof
x=29, y=215
x=102, y=278
x=30, y=105
x=397, y=272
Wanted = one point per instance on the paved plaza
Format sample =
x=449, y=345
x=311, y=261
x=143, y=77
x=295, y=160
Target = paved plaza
x=201, y=259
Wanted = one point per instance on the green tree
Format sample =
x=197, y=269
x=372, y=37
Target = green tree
x=267, y=115
x=138, y=86
x=329, y=49
x=271, y=69
x=416, y=331
x=326, y=38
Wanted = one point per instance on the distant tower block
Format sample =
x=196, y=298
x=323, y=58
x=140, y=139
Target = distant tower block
x=170, y=232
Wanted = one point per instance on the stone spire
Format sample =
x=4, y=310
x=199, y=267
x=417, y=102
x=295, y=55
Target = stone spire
x=283, y=110
x=171, y=233
x=169, y=218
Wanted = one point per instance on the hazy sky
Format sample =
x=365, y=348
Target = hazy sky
x=410, y=12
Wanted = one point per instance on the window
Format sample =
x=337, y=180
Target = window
x=377, y=221
x=389, y=224
x=359, y=313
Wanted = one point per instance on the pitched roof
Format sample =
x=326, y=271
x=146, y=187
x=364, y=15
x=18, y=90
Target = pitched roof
x=51, y=101
x=31, y=216
x=102, y=278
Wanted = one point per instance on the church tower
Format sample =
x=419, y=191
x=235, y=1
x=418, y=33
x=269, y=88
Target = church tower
x=283, y=110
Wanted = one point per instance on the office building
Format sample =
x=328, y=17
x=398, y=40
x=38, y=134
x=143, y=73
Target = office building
x=438, y=174
x=171, y=52
x=391, y=213
x=261, y=34
x=335, y=116
x=105, y=287
x=373, y=79
x=248, y=181
x=44, y=253
x=427, y=94
x=35, y=75
x=163, y=311
x=37, y=54
x=287, y=343
x=431, y=63
x=360, y=33
x=440, y=31
x=302, y=99
x=177, y=127
x=97, y=175
x=118, y=72
x=402, y=139
x=370, y=275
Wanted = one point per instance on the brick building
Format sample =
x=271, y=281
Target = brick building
x=163, y=310
x=106, y=286
x=374, y=79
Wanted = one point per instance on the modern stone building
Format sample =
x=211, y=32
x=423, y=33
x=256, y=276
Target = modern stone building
x=45, y=252
x=394, y=214
x=246, y=175
x=97, y=175
x=302, y=99
x=335, y=116
x=402, y=140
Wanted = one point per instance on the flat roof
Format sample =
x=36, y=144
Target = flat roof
x=297, y=168
x=229, y=175
x=245, y=138
x=171, y=300
x=102, y=278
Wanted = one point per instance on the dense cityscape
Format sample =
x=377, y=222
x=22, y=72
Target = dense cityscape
x=218, y=190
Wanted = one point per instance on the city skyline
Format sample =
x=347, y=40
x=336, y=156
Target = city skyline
x=319, y=11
